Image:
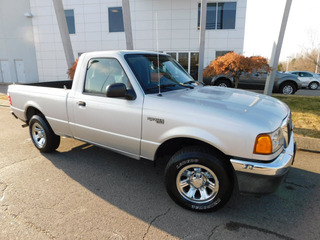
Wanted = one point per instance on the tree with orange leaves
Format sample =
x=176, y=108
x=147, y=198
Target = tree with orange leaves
x=233, y=64
x=72, y=70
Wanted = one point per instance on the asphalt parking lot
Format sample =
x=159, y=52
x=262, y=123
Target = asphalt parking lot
x=85, y=192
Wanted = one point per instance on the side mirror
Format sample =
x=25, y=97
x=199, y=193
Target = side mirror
x=119, y=90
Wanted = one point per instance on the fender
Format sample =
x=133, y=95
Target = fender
x=149, y=149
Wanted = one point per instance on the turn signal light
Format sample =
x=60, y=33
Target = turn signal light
x=263, y=144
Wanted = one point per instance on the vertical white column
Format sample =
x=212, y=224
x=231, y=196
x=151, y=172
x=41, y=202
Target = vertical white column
x=64, y=32
x=203, y=21
x=127, y=24
x=276, y=51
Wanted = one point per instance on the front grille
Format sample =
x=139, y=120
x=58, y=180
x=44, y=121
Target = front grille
x=286, y=128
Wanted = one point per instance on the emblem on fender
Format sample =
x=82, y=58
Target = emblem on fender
x=157, y=120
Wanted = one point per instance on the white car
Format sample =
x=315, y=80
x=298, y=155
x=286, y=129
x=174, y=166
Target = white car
x=308, y=79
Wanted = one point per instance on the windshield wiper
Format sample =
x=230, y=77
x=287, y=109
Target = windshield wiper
x=162, y=86
x=189, y=82
x=187, y=86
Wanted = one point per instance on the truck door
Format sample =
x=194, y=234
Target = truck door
x=114, y=123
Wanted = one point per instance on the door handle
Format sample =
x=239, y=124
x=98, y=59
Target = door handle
x=81, y=103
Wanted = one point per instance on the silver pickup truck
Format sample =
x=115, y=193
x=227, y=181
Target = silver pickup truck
x=144, y=105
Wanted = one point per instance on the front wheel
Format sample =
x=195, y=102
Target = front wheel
x=223, y=83
x=42, y=135
x=198, y=180
x=287, y=88
x=313, y=85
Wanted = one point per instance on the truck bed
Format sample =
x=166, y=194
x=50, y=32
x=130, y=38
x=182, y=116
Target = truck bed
x=56, y=84
x=50, y=98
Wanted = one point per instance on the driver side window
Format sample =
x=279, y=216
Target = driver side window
x=102, y=72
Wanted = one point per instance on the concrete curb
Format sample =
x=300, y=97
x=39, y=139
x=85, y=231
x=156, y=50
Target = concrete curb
x=307, y=143
x=4, y=103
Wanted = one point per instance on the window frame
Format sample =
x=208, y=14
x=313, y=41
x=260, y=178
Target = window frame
x=110, y=11
x=216, y=4
x=222, y=51
x=177, y=53
x=103, y=94
x=74, y=21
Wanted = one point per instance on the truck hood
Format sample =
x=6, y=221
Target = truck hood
x=235, y=105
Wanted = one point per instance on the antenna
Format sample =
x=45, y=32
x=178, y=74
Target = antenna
x=158, y=58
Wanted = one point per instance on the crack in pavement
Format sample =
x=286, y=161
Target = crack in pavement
x=153, y=220
x=28, y=224
x=23, y=160
x=213, y=230
x=301, y=186
x=235, y=226
x=39, y=229
x=6, y=211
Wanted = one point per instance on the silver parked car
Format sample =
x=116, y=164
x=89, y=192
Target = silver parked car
x=308, y=79
x=284, y=83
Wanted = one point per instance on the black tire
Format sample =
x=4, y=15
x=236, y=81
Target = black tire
x=198, y=180
x=287, y=88
x=313, y=85
x=42, y=135
x=223, y=83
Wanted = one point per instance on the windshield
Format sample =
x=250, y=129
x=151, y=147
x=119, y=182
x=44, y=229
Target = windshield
x=158, y=71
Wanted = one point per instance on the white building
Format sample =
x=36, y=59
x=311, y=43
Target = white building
x=18, y=62
x=96, y=25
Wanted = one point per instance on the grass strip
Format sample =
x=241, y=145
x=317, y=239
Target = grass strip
x=305, y=114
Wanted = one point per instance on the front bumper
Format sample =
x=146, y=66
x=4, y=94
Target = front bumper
x=264, y=178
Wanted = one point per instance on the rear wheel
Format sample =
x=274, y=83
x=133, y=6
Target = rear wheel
x=287, y=88
x=198, y=180
x=223, y=83
x=42, y=135
x=313, y=85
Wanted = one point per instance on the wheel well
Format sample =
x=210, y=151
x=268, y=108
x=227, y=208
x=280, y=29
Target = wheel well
x=313, y=82
x=289, y=81
x=170, y=147
x=223, y=78
x=31, y=111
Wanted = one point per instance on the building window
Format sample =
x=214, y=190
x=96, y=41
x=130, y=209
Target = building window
x=194, y=64
x=220, y=15
x=221, y=53
x=70, y=21
x=188, y=60
x=183, y=59
x=115, y=19
x=173, y=55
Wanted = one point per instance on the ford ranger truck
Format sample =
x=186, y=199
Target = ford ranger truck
x=144, y=105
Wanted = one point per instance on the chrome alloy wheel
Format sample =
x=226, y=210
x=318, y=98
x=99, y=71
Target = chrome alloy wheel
x=197, y=183
x=288, y=89
x=38, y=135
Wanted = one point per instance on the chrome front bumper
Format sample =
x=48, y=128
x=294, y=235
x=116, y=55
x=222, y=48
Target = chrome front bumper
x=263, y=178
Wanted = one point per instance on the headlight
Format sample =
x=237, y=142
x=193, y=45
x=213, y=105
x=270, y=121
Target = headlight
x=268, y=143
